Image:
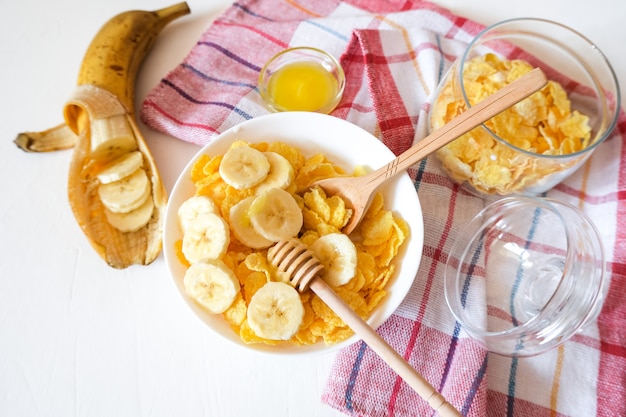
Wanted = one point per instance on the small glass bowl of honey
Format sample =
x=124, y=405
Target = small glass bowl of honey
x=302, y=79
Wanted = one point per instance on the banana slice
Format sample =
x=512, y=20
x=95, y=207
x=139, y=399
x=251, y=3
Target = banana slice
x=192, y=208
x=243, y=167
x=111, y=137
x=126, y=194
x=206, y=238
x=338, y=255
x=133, y=220
x=275, y=311
x=281, y=173
x=212, y=285
x=241, y=226
x=275, y=215
x=121, y=167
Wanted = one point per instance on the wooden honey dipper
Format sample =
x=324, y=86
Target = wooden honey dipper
x=303, y=269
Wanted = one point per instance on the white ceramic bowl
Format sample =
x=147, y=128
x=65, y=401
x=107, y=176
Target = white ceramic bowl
x=348, y=146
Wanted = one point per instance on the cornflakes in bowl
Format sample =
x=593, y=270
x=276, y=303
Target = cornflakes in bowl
x=388, y=243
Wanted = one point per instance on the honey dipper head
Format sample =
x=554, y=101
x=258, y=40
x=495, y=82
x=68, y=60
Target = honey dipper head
x=299, y=263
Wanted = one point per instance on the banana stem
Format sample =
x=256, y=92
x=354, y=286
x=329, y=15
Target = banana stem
x=167, y=14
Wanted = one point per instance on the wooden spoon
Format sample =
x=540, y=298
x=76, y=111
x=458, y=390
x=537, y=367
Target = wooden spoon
x=303, y=269
x=357, y=191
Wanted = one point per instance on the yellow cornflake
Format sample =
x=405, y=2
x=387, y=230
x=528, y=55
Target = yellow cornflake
x=338, y=334
x=197, y=170
x=291, y=153
x=377, y=230
x=315, y=200
x=235, y=315
x=248, y=336
x=250, y=282
x=325, y=313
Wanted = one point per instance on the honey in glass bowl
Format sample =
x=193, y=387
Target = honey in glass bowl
x=302, y=79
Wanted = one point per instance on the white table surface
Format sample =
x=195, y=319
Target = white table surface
x=78, y=338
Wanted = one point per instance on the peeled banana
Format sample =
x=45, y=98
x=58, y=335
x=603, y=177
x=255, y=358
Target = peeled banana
x=206, y=235
x=271, y=214
x=114, y=187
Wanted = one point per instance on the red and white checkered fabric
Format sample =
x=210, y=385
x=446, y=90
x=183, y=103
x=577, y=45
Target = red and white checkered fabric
x=394, y=54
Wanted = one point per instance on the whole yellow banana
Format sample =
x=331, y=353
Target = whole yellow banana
x=116, y=53
x=114, y=187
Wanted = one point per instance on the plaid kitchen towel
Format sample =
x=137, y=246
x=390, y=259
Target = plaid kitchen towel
x=394, y=53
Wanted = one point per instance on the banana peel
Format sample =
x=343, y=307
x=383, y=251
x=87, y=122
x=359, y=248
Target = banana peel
x=105, y=92
x=56, y=138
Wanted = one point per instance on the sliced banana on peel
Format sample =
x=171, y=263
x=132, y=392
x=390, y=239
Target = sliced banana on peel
x=127, y=194
x=338, y=255
x=111, y=137
x=275, y=311
x=121, y=167
x=212, y=285
x=101, y=125
x=132, y=220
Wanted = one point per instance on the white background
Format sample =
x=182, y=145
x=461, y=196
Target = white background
x=78, y=338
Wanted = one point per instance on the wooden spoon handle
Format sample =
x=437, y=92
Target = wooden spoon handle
x=463, y=123
x=383, y=350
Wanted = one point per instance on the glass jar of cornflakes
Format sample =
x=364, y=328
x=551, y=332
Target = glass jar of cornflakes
x=534, y=145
